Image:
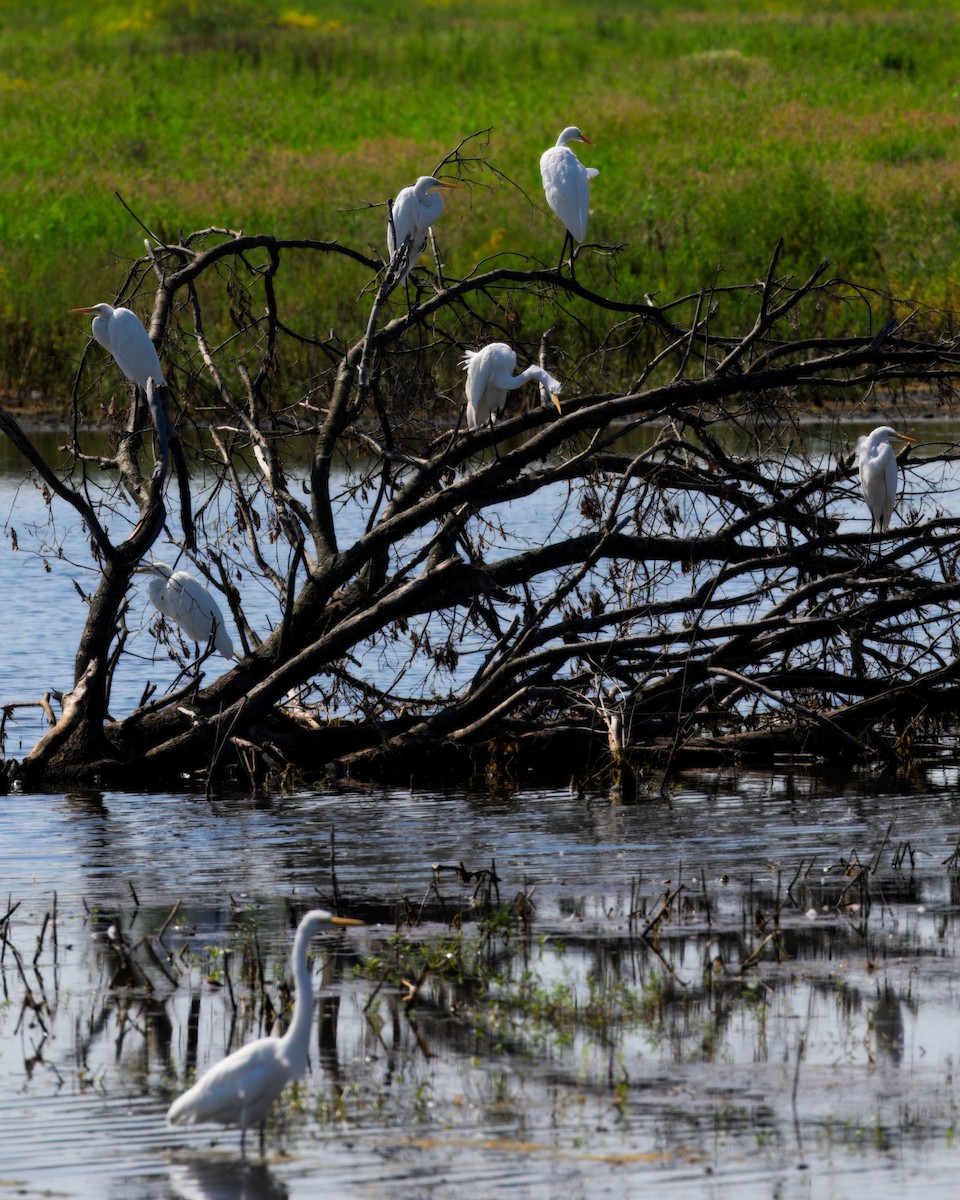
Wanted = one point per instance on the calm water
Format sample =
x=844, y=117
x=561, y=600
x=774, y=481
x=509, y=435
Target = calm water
x=635, y=1066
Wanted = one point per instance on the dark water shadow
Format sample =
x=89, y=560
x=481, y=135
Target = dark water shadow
x=220, y=1178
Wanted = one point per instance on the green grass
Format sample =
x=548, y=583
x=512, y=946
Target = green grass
x=718, y=128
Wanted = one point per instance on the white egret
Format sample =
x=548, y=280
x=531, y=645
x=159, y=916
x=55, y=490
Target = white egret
x=490, y=375
x=120, y=332
x=566, y=182
x=414, y=211
x=240, y=1089
x=184, y=599
x=878, y=474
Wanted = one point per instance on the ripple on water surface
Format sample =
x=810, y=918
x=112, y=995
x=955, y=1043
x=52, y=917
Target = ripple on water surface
x=590, y=1061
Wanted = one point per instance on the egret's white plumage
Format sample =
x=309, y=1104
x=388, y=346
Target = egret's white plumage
x=119, y=331
x=877, y=464
x=414, y=211
x=240, y=1089
x=490, y=376
x=184, y=599
x=566, y=182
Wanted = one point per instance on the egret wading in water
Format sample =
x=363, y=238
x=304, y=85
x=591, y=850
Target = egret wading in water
x=184, y=599
x=414, y=211
x=877, y=464
x=490, y=376
x=122, y=335
x=240, y=1089
x=566, y=182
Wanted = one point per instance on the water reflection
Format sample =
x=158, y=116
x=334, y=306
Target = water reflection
x=754, y=973
x=221, y=1178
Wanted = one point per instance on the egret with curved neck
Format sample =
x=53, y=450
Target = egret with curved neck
x=414, y=211
x=240, y=1089
x=184, y=599
x=490, y=376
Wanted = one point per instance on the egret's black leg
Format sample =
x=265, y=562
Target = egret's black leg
x=567, y=237
x=874, y=548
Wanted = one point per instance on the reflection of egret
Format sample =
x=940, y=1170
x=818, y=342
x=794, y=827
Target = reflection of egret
x=886, y=1028
x=187, y=602
x=240, y=1089
x=490, y=375
x=219, y=1178
x=878, y=474
x=566, y=182
x=414, y=211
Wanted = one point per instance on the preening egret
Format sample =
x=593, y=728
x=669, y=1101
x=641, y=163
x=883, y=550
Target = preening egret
x=414, y=211
x=878, y=474
x=490, y=375
x=187, y=602
x=120, y=332
x=566, y=182
x=240, y=1089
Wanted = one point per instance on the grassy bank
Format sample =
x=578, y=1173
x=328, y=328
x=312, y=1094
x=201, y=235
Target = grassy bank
x=719, y=127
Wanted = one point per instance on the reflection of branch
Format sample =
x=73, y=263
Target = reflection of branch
x=662, y=911
x=754, y=956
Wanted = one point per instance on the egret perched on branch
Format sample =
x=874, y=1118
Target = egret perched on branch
x=120, y=332
x=878, y=474
x=187, y=602
x=414, y=211
x=490, y=375
x=566, y=182
x=240, y=1089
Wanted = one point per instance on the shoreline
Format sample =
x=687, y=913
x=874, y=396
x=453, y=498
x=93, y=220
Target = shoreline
x=923, y=406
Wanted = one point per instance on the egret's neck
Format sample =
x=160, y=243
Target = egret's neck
x=530, y=375
x=297, y=1037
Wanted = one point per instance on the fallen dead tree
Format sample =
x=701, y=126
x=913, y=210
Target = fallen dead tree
x=699, y=583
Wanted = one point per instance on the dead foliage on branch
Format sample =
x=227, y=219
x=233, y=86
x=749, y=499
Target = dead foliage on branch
x=667, y=572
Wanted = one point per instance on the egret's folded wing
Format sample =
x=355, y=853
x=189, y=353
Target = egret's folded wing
x=238, y=1090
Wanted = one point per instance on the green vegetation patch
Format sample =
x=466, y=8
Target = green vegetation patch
x=718, y=128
